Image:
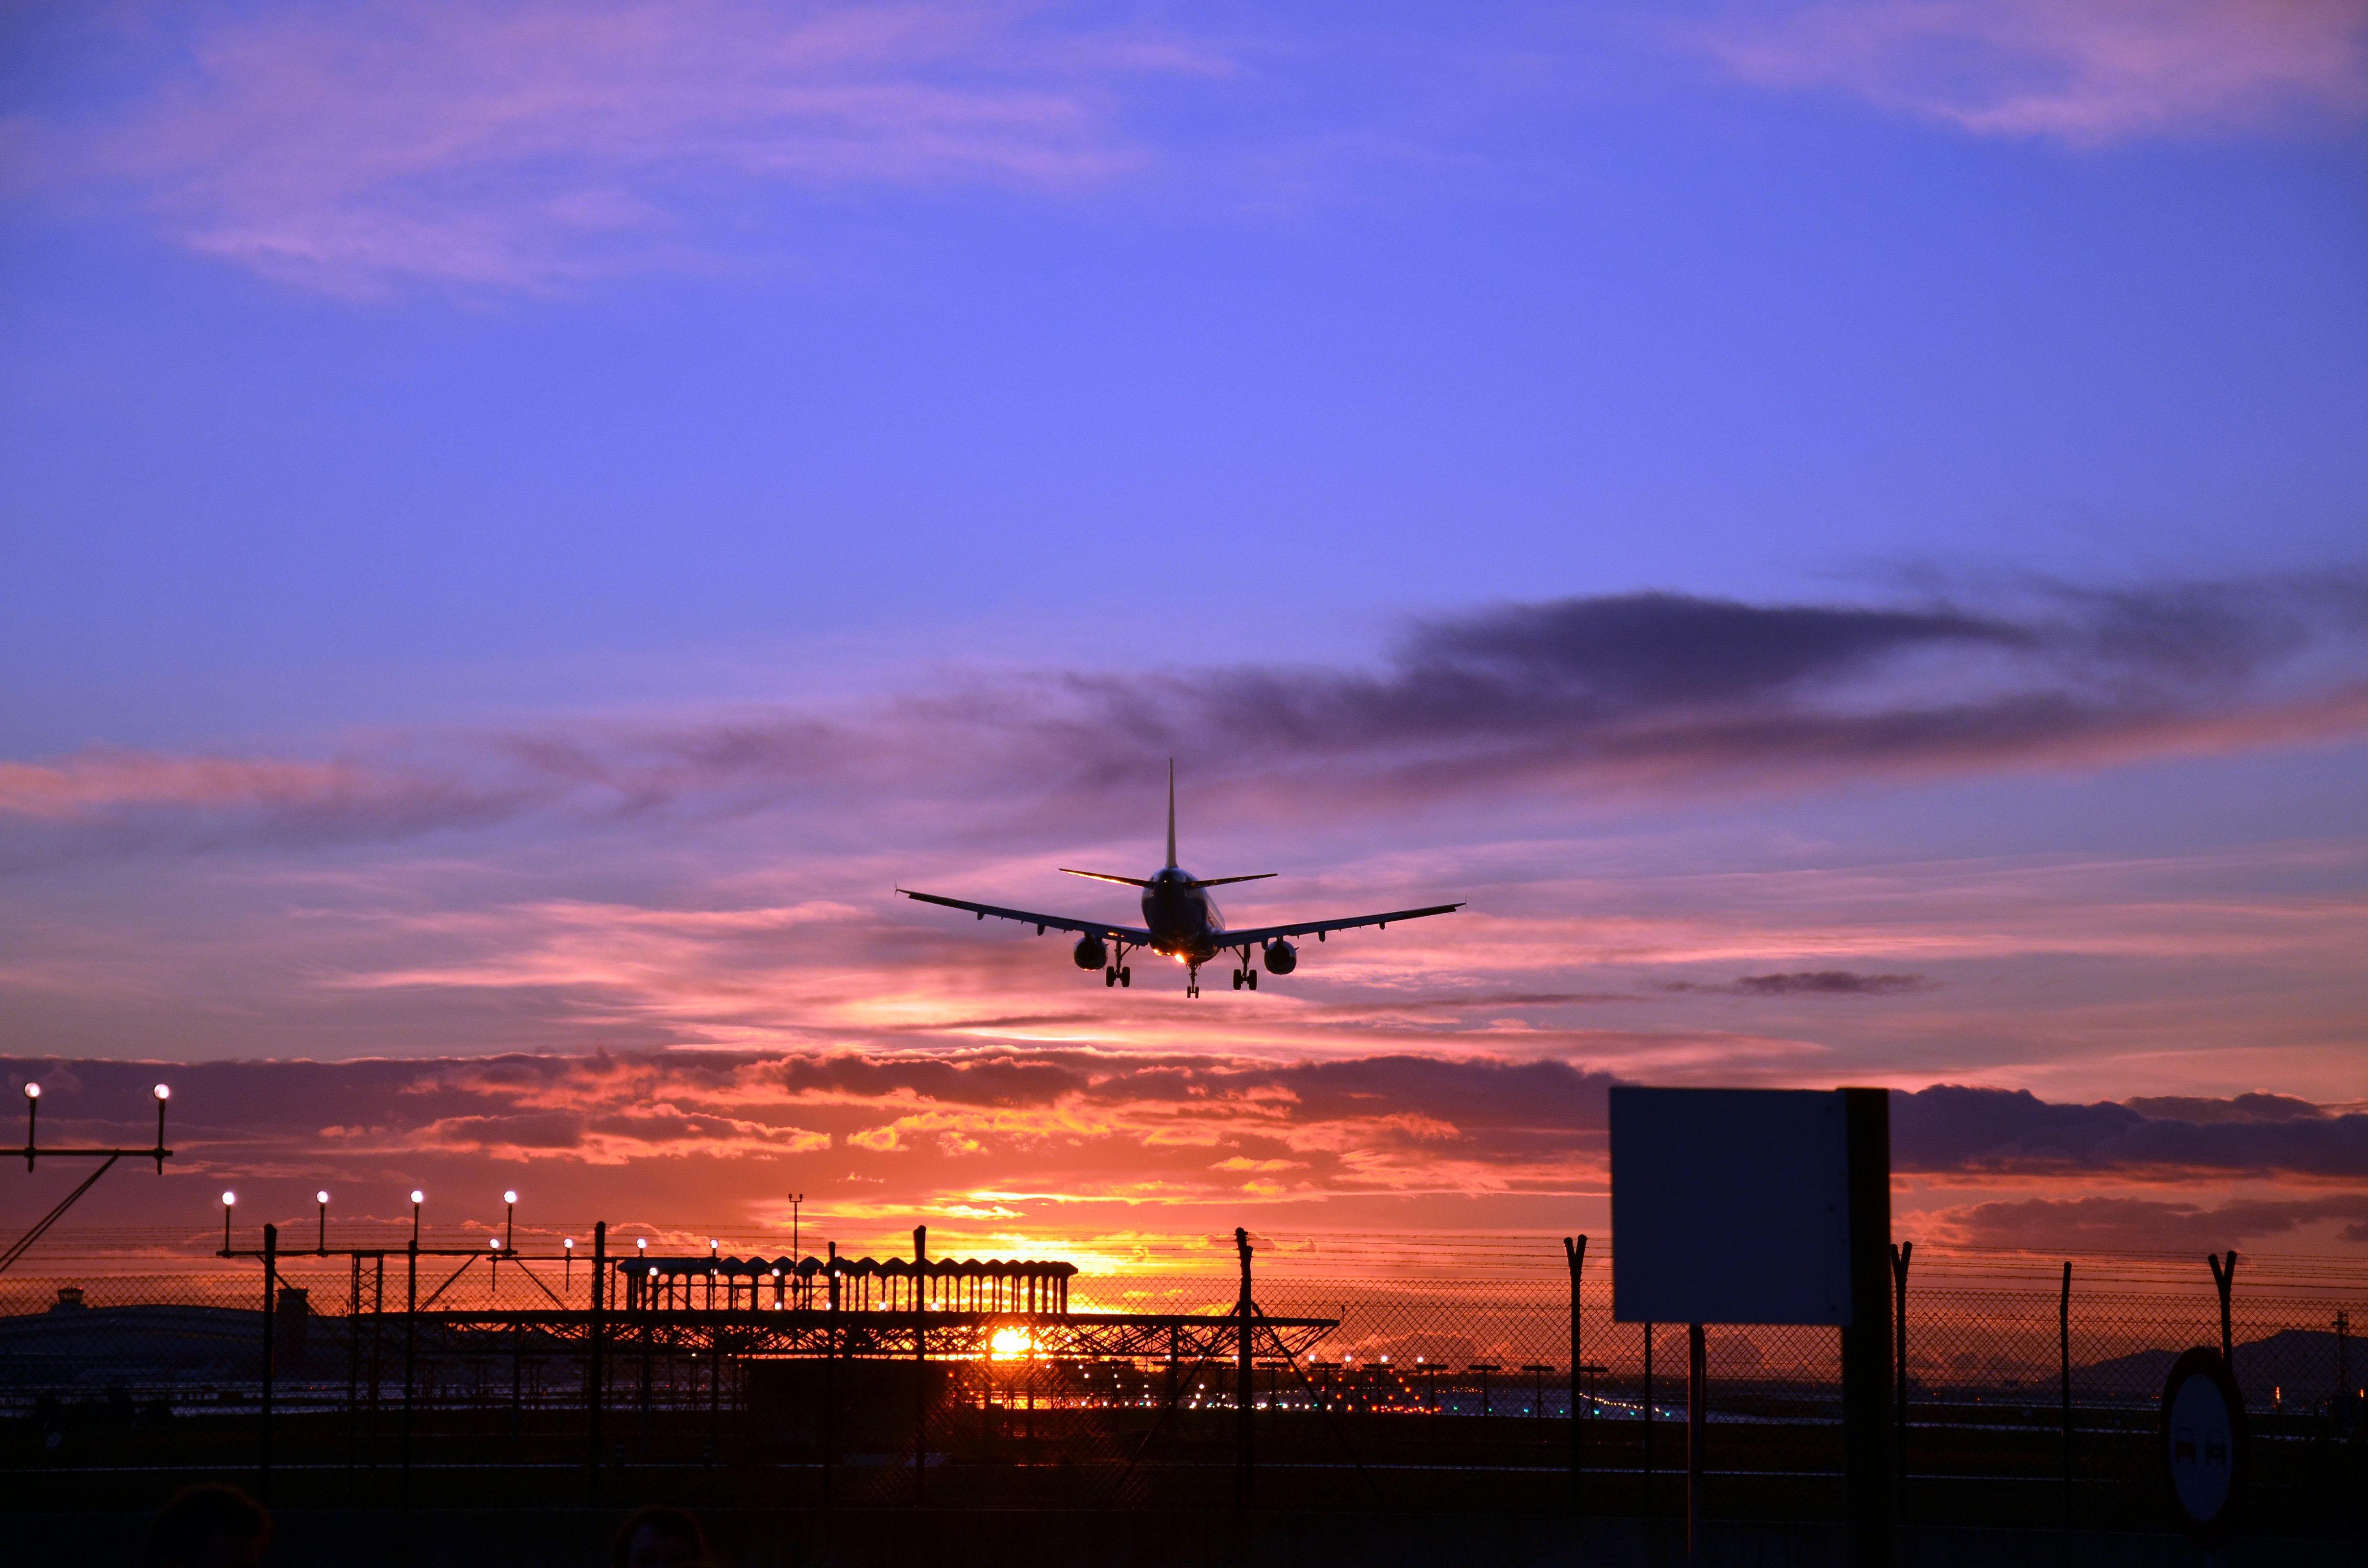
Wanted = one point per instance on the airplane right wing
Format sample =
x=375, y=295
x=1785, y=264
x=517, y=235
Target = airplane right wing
x=1133, y=936
x=1317, y=927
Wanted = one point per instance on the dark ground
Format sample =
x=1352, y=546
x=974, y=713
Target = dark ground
x=577, y=1537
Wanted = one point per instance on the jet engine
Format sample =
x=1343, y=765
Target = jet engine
x=1282, y=957
x=1090, y=953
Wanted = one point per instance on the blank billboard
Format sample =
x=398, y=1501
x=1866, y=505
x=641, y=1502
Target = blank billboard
x=1730, y=1206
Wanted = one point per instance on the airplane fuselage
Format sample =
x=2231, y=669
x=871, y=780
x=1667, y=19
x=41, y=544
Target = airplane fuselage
x=1179, y=921
x=1183, y=920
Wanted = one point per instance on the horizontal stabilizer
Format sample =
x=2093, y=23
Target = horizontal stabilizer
x=1106, y=877
x=1220, y=882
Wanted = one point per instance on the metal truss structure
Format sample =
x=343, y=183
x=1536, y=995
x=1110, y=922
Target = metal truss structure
x=900, y=1336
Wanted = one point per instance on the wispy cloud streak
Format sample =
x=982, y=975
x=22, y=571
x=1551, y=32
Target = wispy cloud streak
x=2087, y=72
x=531, y=144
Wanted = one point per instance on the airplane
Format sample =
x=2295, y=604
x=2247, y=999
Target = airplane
x=1179, y=921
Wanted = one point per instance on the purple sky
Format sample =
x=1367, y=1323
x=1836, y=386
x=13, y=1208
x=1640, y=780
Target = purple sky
x=1835, y=528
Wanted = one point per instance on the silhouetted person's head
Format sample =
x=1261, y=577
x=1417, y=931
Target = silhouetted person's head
x=661, y=1537
x=209, y=1527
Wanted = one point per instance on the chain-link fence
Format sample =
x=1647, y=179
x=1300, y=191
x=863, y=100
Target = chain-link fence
x=1440, y=1374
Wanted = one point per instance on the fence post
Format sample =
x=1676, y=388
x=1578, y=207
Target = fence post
x=2063, y=1362
x=1244, y=1390
x=353, y=1378
x=2342, y=1356
x=517, y=1393
x=410, y=1356
x=270, y=1316
x=1574, y=1251
x=1900, y=1255
x=830, y=1389
x=2223, y=1280
x=920, y=1371
x=596, y=1375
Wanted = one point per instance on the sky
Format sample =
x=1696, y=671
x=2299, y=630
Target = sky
x=1835, y=530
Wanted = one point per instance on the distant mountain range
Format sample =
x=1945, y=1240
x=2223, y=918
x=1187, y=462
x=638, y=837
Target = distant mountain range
x=2297, y=1365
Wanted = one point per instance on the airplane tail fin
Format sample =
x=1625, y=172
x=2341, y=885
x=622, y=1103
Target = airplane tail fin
x=1171, y=813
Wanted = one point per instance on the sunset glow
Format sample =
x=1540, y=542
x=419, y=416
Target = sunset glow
x=1832, y=531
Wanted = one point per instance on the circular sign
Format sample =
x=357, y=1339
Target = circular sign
x=2202, y=1444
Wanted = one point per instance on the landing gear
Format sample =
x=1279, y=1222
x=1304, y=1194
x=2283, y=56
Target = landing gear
x=1192, y=981
x=1109, y=975
x=1246, y=977
x=1119, y=974
x=1126, y=974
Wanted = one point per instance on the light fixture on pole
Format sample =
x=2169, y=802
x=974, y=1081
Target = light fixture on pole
x=33, y=1119
x=509, y=1221
x=796, y=1199
x=569, y=1276
x=164, y=1092
x=417, y=1197
x=322, y=1198
x=228, y=1199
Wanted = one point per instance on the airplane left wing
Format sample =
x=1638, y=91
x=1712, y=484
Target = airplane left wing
x=1317, y=927
x=1133, y=936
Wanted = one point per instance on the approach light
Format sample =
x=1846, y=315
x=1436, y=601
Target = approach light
x=32, y=1091
x=320, y=1198
x=229, y=1199
x=569, y=1243
x=509, y=1197
x=417, y=1196
x=495, y=1243
x=164, y=1091
x=643, y=1243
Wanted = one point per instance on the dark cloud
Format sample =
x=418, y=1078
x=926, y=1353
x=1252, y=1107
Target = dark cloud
x=1652, y=689
x=1953, y=1129
x=2135, y=1224
x=2242, y=1107
x=1069, y=1113
x=1812, y=982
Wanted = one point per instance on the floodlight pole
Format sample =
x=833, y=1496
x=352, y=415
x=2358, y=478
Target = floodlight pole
x=33, y=1150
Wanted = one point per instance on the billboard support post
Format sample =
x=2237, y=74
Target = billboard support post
x=1697, y=1421
x=1867, y=1457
